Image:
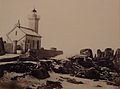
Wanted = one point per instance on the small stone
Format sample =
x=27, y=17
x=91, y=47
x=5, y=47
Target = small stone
x=74, y=81
x=98, y=86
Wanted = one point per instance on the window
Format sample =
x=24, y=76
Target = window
x=33, y=43
x=37, y=44
x=16, y=33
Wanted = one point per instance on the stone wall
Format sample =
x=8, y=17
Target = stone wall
x=8, y=47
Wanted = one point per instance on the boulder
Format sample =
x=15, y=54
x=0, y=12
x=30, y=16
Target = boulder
x=85, y=62
x=106, y=63
x=105, y=73
x=87, y=52
x=40, y=73
x=60, y=69
x=99, y=54
x=116, y=60
x=53, y=84
x=98, y=86
x=74, y=81
x=108, y=53
x=117, y=53
x=92, y=73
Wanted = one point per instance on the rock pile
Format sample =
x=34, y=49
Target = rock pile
x=39, y=72
x=102, y=66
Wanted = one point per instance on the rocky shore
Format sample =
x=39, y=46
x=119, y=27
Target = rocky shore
x=103, y=66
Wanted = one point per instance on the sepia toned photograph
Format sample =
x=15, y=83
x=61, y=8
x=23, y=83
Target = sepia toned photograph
x=59, y=44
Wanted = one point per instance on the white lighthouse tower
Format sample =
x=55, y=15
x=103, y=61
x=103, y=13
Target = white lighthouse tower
x=34, y=21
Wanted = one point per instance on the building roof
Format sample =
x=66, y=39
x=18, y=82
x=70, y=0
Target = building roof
x=28, y=31
x=25, y=30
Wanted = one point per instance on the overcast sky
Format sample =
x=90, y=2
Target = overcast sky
x=67, y=24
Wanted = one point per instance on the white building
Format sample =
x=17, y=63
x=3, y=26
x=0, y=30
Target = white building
x=24, y=38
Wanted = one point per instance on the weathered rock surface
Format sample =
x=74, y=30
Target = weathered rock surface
x=102, y=66
x=18, y=67
x=116, y=60
x=92, y=73
x=53, y=84
x=40, y=73
x=87, y=52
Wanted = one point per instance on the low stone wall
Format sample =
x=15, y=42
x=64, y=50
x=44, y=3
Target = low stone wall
x=8, y=47
x=43, y=53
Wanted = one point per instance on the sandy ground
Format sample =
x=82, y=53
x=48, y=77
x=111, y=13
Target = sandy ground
x=21, y=83
x=88, y=84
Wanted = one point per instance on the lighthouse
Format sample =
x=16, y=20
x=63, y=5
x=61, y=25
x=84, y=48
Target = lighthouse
x=24, y=38
x=34, y=21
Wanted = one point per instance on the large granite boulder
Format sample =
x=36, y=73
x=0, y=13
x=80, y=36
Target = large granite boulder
x=116, y=60
x=99, y=53
x=109, y=53
x=60, y=69
x=92, y=73
x=40, y=73
x=87, y=52
x=86, y=62
x=117, y=53
x=105, y=73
